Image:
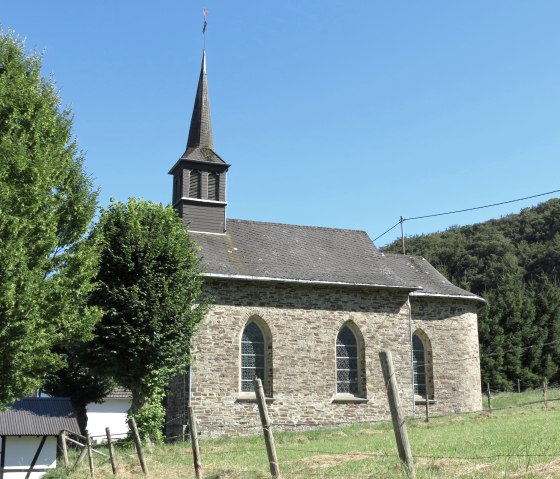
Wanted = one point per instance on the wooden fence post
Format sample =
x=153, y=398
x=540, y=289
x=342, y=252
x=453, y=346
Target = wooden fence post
x=64, y=447
x=138, y=444
x=489, y=397
x=90, y=455
x=397, y=416
x=265, y=421
x=194, y=443
x=544, y=389
x=111, y=451
x=518, y=386
x=427, y=408
x=81, y=456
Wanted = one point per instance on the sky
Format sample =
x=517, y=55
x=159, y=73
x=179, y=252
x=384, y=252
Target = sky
x=344, y=114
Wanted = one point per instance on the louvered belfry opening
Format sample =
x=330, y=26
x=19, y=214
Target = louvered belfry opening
x=195, y=185
x=176, y=188
x=214, y=186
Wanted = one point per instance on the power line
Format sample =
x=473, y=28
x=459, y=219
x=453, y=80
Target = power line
x=391, y=228
x=464, y=210
x=480, y=207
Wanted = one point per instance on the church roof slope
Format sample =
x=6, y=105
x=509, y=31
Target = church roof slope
x=418, y=271
x=290, y=253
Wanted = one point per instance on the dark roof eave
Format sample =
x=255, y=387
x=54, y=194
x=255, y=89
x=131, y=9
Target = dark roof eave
x=423, y=294
x=307, y=281
x=178, y=162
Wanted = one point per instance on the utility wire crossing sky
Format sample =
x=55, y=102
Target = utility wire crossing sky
x=402, y=220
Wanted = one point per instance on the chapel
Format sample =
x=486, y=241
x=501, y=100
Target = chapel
x=307, y=310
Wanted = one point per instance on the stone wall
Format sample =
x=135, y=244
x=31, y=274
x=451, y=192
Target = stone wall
x=451, y=326
x=304, y=321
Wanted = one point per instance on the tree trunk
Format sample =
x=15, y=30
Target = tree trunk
x=138, y=400
x=81, y=415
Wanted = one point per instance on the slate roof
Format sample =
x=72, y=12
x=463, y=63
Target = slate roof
x=202, y=154
x=290, y=253
x=38, y=417
x=282, y=252
x=200, y=145
x=419, y=271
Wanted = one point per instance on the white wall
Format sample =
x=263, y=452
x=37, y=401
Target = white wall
x=20, y=452
x=112, y=414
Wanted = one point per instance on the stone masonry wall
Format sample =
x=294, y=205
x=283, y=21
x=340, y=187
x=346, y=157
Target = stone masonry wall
x=304, y=322
x=452, y=329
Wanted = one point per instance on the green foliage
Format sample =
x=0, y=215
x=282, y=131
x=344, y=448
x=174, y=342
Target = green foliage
x=79, y=381
x=514, y=263
x=150, y=415
x=148, y=285
x=46, y=206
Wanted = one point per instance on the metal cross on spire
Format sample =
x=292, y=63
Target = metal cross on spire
x=204, y=15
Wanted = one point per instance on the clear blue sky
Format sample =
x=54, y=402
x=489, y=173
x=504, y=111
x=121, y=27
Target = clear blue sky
x=333, y=113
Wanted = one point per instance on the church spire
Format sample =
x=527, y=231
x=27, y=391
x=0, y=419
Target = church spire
x=200, y=145
x=200, y=132
x=199, y=176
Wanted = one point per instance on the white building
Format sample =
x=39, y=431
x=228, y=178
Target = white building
x=111, y=413
x=28, y=436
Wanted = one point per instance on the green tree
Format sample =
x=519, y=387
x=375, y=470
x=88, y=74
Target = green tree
x=80, y=381
x=149, y=287
x=46, y=206
x=547, y=304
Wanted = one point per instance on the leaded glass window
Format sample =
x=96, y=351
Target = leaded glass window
x=346, y=362
x=252, y=356
x=419, y=366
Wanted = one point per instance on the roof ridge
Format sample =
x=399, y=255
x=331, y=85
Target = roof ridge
x=400, y=255
x=50, y=398
x=297, y=226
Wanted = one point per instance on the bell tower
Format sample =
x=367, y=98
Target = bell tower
x=199, y=176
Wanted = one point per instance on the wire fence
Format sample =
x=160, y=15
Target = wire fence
x=366, y=448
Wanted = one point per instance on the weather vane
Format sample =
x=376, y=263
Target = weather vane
x=204, y=15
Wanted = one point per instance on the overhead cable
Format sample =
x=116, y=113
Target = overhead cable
x=402, y=220
x=480, y=207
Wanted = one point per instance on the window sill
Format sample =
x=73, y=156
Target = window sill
x=251, y=398
x=348, y=399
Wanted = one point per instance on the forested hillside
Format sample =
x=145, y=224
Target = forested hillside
x=514, y=263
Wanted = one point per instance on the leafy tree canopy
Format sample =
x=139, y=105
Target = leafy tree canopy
x=46, y=206
x=149, y=286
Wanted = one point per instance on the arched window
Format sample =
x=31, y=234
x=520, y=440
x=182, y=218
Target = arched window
x=195, y=184
x=422, y=365
x=346, y=362
x=214, y=186
x=252, y=356
x=419, y=366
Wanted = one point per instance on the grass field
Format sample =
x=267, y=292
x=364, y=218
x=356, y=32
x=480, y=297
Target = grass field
x=516, y=440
